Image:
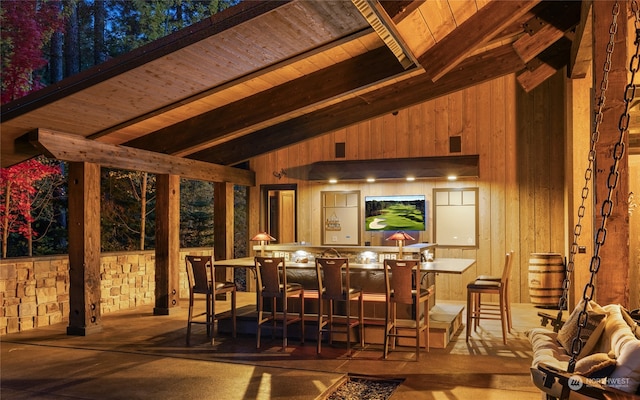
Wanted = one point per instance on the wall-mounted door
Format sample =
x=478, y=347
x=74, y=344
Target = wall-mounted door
x=278, y=212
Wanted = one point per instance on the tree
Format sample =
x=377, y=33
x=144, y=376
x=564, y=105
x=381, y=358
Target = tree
x=26, y=27
x=79, y=34
x=19, y=191
x=128, y=200
x=196, y=213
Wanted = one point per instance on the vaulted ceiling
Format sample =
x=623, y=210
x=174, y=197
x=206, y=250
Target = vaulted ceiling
x=267, y=74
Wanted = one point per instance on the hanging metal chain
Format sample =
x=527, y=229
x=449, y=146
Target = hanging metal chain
x=612, y=179
x=588, y=176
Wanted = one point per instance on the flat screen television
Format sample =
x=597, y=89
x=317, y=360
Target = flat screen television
x=395, y=213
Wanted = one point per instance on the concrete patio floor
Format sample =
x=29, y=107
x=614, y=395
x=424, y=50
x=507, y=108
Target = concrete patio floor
x=141, y=356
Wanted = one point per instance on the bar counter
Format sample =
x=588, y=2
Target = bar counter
x=440, y=265
x=445, y=318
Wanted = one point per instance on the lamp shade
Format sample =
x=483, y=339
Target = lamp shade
x=263, y=236
x=400, y=236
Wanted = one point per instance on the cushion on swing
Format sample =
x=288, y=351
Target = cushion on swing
x=597, y=365
x=633, y=324
x=546, y=349
x=626, y=376
x=590, y=334
x=626, y=348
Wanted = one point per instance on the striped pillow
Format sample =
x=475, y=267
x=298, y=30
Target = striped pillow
x=590, y=334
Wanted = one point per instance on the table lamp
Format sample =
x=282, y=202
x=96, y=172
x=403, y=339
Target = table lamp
x=263, y=237
x=400, y=237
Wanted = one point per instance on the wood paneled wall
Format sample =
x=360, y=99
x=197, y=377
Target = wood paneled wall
x=520, y=138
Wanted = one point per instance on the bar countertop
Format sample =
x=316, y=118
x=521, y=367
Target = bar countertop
x=439, y=265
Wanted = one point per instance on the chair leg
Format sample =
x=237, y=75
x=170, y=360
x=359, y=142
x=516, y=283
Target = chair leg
x=426, y=322
x=503, y=318
x=508, y=306
x=209, y=317
x=284, y=323
x=330, y=314
x=274, y=322
x=320, y=323
x=348, y=327
x=417, y=322
x=469, y=313
x=301, y=318
x=477, y=310
x=260, y=316
x=387, y=318
x=394, y=325
x=361, y=315
x=233, y=313
x=189, y=319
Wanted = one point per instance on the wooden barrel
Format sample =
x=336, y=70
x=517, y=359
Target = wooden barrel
x=546, y=274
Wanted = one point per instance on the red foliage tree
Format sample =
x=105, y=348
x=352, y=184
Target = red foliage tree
x=17, y=188
x=26, y=26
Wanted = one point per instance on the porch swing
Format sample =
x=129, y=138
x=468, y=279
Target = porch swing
x=564, y=362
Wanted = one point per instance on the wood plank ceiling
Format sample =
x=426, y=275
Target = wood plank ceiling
x=266, y=74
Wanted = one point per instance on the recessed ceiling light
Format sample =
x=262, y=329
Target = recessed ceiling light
x=333, y=181
x=411, y=178
x=452, y=177
x=371, y=180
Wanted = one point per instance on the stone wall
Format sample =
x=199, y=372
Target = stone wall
x=34, y=291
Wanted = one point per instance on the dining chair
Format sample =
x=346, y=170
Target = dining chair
x=334, y=286
x=403, y=286
x=201, y=279
x=478, y=310
x=271, y=274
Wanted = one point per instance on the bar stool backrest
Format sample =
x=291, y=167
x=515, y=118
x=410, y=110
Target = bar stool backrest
x=333, y=283
x=506, y=271
x=271, y=282
x=198, y=273
x=401, y=285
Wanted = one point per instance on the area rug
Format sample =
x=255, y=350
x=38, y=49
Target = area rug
x=362, y=388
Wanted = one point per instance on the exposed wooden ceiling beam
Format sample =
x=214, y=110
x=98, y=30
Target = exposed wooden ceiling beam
x=217, y=23
x=245, y=78
x=581, y=49
x=545, y=65
x=489, y=21
x=548, y=26
x=400, y=9
x=74, y=148
x=277, y=102
x=383, y=25
x=477, y=69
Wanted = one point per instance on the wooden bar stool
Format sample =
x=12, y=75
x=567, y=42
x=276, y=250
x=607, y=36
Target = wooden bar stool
x=402, y=286
x=334, y=286
x=201, y=277
x=271, y=273
x=477, y=310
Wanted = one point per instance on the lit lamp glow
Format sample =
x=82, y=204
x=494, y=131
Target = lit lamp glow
x=400, y=237
x=263, y=238
x=368, y=257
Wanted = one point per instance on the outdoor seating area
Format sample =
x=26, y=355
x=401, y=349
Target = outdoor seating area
x=141, y=355
x=402, y=194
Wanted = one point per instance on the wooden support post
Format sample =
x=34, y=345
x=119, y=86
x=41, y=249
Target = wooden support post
x=167, y=244
x=223, y=232
x=84, y=249
x=612, y=284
